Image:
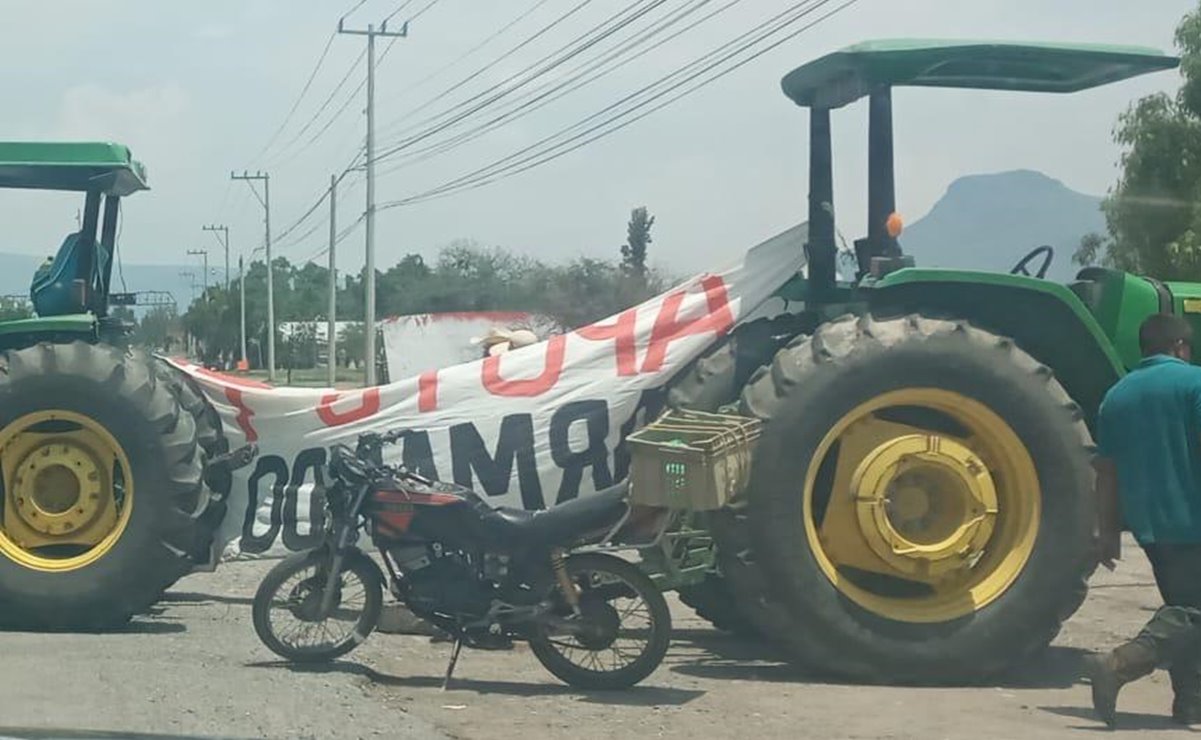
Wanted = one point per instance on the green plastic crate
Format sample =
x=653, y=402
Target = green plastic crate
x=691, y=460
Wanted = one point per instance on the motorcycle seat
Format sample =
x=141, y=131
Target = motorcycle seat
x=567, y=522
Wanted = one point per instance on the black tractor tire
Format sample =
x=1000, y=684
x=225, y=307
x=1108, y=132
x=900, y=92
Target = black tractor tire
x=714, y=601
x=816, y=381
x=119, y=391
x=213, y=443
x=732, y=598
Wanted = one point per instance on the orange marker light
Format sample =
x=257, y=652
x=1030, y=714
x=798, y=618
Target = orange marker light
x=895, y=225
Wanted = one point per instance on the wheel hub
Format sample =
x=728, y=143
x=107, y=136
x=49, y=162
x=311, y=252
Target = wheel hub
x=67, y=493
x=306, y=600
x=925, y=504
x=57, y=489
x=600, y=624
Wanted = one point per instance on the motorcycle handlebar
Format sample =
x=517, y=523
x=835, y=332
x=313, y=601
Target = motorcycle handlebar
x=370, y=445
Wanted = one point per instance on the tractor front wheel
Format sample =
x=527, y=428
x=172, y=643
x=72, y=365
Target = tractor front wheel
x=102, y=492
x=921, y=501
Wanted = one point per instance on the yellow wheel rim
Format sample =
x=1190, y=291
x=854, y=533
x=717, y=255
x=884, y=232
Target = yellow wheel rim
x=922, y=505
x=68, y=491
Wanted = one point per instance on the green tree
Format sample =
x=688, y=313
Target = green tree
x=1153, y=213
x=213, y=319
x=352, y=342
x=159, y=329
x=638, y=238
x=15, y=308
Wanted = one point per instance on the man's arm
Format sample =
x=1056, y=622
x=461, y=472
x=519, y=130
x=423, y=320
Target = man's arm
x=1109, y=519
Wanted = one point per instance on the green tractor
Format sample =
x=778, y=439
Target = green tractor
x=921, y=505
x=109, y=459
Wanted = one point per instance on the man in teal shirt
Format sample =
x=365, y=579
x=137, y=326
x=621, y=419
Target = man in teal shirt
x=1149, y=465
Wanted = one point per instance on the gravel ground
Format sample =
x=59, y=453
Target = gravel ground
x=195, y=669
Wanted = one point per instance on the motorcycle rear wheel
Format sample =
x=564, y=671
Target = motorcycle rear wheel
x=579, y=660
x=294, y=587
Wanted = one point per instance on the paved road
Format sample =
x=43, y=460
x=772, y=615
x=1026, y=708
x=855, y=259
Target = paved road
x=194, y=668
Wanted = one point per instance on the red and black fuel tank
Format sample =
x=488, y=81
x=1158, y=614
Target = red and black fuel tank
x=393, y=510
x=441, y=512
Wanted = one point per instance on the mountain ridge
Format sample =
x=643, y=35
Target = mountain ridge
x=990, y=221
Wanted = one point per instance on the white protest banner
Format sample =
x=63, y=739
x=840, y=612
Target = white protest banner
x=418, y=342
x=530, y=428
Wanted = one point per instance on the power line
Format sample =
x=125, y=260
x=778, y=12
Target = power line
x=311, y=209
x=355, y=161
x=343, y=194
x=356, y=6
x=491, y=64
x=349, y=98
x=532, y=72
x=479, y=45
x=661, y=82
x=353, y=94
x=424, y=8
x=548, y=93
x=399, y=8
x=287, y=148
x=329, y=42
x=342, y=235
x=546, y=155
x=507, y=167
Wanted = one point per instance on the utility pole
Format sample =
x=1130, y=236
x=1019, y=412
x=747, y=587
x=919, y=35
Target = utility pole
x=187, y=335
x=369, y=320
x=265, y=200
x=205, y=275
x=224, y=241
x=331, y=339
x=242, y=308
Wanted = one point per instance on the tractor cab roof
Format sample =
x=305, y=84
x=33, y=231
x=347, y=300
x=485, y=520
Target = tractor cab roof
x=101, y=167
x=846, y=75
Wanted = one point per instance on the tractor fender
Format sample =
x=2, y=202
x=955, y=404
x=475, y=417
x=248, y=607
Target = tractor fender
x=1044, y=318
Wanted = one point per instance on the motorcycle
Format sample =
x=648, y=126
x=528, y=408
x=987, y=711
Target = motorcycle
x=484, y=576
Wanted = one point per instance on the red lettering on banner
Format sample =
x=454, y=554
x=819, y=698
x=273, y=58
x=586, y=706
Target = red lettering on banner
x=427, y=391
x=668, y=327
x=556, y=348
x=244, y=413
x=368, y=405
x=621, y=330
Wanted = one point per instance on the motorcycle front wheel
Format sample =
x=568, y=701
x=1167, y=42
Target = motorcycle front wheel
x=288, y=607
x=619, y=637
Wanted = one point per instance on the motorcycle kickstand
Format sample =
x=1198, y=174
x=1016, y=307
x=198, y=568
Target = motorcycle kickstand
x=454, y=658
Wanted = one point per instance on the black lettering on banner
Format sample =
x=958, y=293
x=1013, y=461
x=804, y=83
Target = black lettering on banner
x=650, y=405
x=595, y=414
x=311, y=459
x=418, y=455
x=514, y=444
x=277, y=467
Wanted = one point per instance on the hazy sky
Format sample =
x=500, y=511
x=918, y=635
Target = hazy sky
x=197, y=89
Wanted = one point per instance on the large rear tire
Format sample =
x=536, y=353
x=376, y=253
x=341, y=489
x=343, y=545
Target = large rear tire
x=213, y=443
x=714, y=601
x=962, y=541
x=103, y=494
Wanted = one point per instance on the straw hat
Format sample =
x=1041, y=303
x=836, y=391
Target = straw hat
x=498, y=341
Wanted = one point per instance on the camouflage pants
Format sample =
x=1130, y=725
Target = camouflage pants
x=1173, y=635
